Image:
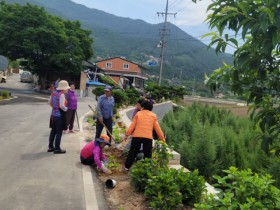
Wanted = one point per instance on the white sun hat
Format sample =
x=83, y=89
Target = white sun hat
x=63, y=85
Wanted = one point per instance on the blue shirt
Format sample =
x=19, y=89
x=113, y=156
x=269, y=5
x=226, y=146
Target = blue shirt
x=105, y=106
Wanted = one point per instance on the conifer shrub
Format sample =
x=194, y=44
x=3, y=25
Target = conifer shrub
x=210, y=140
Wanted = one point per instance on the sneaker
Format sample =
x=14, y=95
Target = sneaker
x=61, y=151
x=126, y=169
x=50, y=149
x=66, y=131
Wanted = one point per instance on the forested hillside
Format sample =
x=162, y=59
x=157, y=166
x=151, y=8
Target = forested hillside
x=185, y=56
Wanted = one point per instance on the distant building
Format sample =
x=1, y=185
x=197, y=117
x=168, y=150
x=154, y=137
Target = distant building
x=124, y=72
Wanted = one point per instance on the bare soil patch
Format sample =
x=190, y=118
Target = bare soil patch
x=122, y=196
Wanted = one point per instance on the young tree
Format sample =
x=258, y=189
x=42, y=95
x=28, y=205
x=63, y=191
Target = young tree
x=255, y=72
x=49, y=43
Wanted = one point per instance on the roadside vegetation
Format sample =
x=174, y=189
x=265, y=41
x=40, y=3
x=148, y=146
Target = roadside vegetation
x=211, y=140
x=4, y=94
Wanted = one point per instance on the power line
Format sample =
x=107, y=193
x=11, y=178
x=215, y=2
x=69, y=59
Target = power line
x=163, y=38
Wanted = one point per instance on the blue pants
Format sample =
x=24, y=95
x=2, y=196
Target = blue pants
x=56, y=133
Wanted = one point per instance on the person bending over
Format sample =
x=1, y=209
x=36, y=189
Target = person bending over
x=91, y=153
x=141, y=129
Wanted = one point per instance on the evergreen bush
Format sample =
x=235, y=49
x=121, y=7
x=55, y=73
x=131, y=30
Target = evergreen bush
x=211, y=140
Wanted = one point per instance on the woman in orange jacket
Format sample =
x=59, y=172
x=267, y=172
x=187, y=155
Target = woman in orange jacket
x=141, y=129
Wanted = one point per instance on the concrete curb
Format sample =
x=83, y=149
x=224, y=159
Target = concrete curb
x=90, y=196
x=8, y=99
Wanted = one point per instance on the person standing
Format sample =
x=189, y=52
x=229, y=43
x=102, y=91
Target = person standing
x=57, y=122
x=141, y=130
x=91, y=153
x=72, y=108
x=105, y=106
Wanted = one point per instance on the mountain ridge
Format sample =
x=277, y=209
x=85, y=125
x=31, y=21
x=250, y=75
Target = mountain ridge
x=185, y=57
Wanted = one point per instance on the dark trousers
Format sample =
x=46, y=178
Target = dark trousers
x=70, y=117
x=87, y=161
x=99, y=127
x=135, y=148
x=56, y=133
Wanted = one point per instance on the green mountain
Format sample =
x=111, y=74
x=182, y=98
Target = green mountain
x=184, y=57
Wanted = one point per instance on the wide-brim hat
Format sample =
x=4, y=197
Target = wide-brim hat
x=104, y=139
x=63, y=85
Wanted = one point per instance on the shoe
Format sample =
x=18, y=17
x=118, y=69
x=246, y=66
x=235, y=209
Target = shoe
x=66, y=131
x=126, y=169
x=62, y=151
x=73, y=131
x=50, y=149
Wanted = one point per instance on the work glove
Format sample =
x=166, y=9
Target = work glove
x=106, y=170
x=105, y=162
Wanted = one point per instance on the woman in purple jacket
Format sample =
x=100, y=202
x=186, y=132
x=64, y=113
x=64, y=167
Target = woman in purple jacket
x=72, y=108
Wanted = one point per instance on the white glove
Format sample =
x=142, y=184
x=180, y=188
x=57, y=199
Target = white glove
x=106, y=170
x=105, y=162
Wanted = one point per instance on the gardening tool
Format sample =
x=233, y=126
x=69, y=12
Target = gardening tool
x=116, y=145
x=77, y=120
x=94, y=113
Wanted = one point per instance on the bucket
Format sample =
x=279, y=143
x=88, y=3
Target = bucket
x=110, y=183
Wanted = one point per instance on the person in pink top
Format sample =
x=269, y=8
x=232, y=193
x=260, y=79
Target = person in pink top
x=91, y=153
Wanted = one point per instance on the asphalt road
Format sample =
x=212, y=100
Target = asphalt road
x=30, y=177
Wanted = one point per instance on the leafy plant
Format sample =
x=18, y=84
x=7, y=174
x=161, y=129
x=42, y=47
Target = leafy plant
x=141, y=172
x=163, y=191
x=243, y=190
x=91, y=120
x=192, y=186
x=113, y=164
x=120, y=98
x=162, y=153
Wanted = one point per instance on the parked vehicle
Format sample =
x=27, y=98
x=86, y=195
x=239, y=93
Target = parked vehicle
x=26, y=76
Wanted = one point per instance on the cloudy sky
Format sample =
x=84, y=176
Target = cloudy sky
x=189, y=17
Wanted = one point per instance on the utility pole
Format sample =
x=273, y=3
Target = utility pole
x=163, y=39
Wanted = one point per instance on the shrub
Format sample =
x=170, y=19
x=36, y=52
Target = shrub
x=163, y=191
x=192, y=186
x=243, y=190
x=166, y=188
x=141, y=172
x=4, y=93
x=120, y=98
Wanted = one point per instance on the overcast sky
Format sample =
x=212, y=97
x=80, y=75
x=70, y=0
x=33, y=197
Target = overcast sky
x=190, y=17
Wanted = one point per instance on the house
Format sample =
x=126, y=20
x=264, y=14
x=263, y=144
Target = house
x=123, y=72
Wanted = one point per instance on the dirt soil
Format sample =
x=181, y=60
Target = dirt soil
x=122, y=196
